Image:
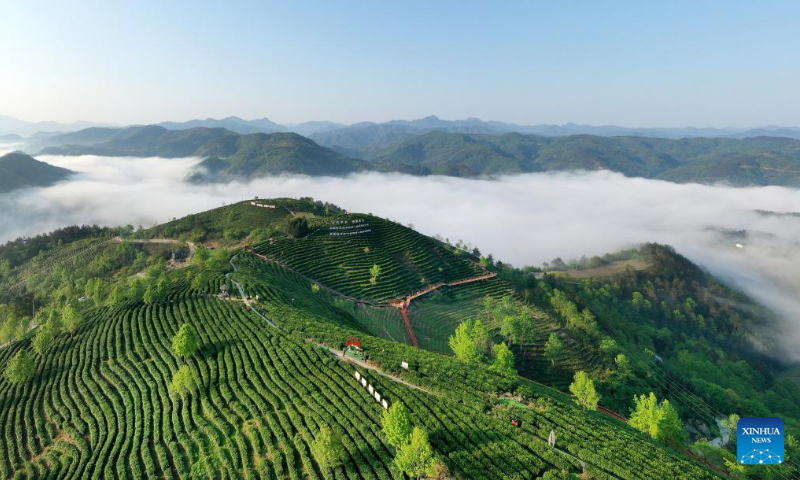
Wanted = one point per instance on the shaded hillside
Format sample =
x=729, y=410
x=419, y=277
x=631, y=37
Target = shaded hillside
x=260, y=154
x=146, y=141
x=752, y=161
x=234, y=124
x=18, y=170
x=88, y=136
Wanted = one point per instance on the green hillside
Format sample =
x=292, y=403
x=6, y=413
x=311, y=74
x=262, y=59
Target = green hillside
x=751, y=161
x=260, y=154
x=147, y=141
x=469, y=151
x=18, y=170
x=273, y=294
x=340, y=252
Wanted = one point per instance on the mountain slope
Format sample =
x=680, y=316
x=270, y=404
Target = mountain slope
x=146, y=141
x=267, y=376
x=256, y=155
x=18, y=170
x=234, y=124
x=751, y=161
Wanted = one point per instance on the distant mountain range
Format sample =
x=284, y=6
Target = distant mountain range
x=366, y=135
x=11, y=125
x=750, y=161
x=19, y=170
x=228, y=155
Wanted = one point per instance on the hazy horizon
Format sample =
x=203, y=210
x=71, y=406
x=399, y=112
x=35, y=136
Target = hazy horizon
x=635, y=64
x=408, y=119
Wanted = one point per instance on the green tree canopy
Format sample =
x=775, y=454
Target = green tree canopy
x=469, y=341
x=660, y=421
x=553, y=348
x=397, y=424
x=374, y=272
x=297, y=227
x=327, y=448
x=20, y=368
x=72, y=318
x=182, y=382
x=415, y=458
x=503, y=361
x=44, y=337
x=583, y=389
x=185, y=341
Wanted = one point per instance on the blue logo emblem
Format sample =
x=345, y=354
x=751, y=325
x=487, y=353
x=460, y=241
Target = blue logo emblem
x=759, y=441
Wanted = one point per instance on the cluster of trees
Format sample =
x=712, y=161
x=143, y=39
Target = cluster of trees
x=414, y=454
x=583, y=320
x=675, y=319
x=583, y=263
x=51, y=321
x=659, y=420
x=471, y=343
x=583, y=389
x=297, y=227
x=185, y=343
x=17, y=251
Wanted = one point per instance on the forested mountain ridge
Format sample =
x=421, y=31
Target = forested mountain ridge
x=751, y=161
x=18, y=170
x=259, y=154
x=109, y=303
x=738, y=162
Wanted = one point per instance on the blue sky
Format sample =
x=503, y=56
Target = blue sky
x=626, y=63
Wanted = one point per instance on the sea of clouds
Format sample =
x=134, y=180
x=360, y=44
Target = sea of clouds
x=523, y=219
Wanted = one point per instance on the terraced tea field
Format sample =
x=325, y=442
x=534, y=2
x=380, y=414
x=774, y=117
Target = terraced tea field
x=98, y=406
x=408, y=261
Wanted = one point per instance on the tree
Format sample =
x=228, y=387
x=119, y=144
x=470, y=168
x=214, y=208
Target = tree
x=327, y=448
x=136, y=290
x=583, y=389
x=415, y=458
x=185, y=341
x=182, y=382
x=645, y=415
x=731, y=422
x=72, y=318
x=157, y=291
x=670, y=427
x=480, y=335
x=503, y=361
x=20, y=368
x=8, y=332
x=297, y=227
x=623, y=364
x=374, y=272
x=397, y=424
x=660, y=421
x=44, y=337
x=463, y=344
x=553, y=348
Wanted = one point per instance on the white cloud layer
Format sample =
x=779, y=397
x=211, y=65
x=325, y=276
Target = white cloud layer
x=524, y=219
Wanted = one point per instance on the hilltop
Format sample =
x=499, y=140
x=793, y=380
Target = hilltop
x=18, y=170
x=260, y=154
x=275, y=287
